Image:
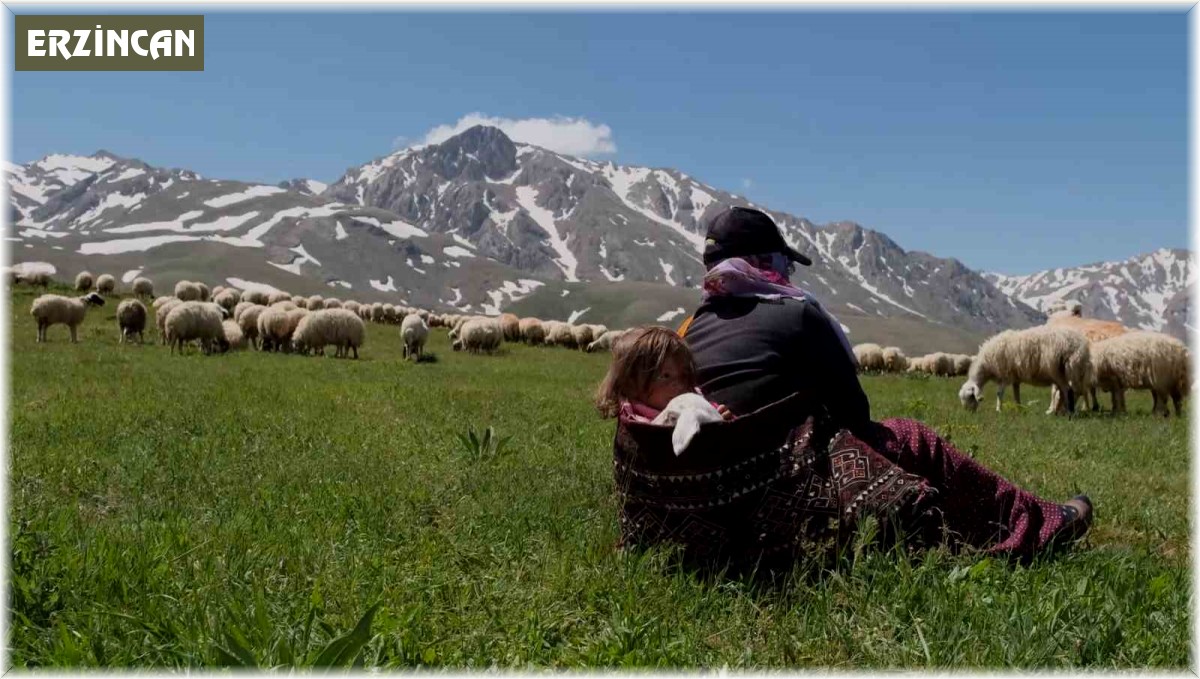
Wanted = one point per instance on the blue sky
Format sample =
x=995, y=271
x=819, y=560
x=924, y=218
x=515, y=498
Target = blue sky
x=1014, y=142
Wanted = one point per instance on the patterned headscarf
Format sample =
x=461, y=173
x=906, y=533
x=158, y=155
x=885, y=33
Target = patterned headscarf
x=763, y=276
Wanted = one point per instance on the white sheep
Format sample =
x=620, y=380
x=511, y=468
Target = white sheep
x=333, y=303
x=316, y=303
x=413, y=332
x=274, y=328
x=195, y=320
x=143, y=287
x=479, y=335
x=532, y=331
x=256, y=296
x=962, y=364
x=160, y=317
x=84, y=281
x=300, y=301
x=894, y=360
x=605, y=341
x=559, y=334
x=278, y=296
x=187, y=291
x=131, y=320
x=1143, y=360
x=205, y=293
x=510, y=325
x=228, y=298
x=1042, y=356
x=106, y=284
x=247, y=320
x=50, y=310
x=338, y=327
x=233, y=339
x=869, y=357
x=159, y=301
x=582, y=334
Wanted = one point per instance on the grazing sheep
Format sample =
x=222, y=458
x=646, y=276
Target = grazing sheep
x=217, y=290
x=233, y=339
x=598, y=330
x=274, y=329
x=1094, y=329
x=300, y=301
x=532, y=331
x=187, y=291
x=240, y=307
x=84, y=281
x=286, y=305
x=256, y=296
x=605, y=341
x=247, y=320
x=195, y=320
x=143, y=287
x=510, y=325
x=479, y=335
x=227, y=298
x=378, y=315
x=316, y=303
x=391, y=314
x=559, y=334
x=159, y=301
x=333, y=303
x=338, y=327
x=160, y=317
x=869, y=357
x=582, y=335
x=962, y=364
x=352, y=306
x=205, y=293
x=894, y=360
x=41, y=278
x=278, y=296
x=1042, y=356
x=413, y=332
x=51, y=310
x=106, y=284
x=1143, y=360
x=131, y=319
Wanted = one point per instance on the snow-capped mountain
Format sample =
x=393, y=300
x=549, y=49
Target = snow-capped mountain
x=570, y=219
x=1148, y=291
x=477, y=223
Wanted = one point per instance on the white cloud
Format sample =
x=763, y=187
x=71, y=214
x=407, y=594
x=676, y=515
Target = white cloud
x=571, y=136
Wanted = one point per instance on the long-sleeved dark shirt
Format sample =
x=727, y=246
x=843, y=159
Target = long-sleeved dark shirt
x=752, y=352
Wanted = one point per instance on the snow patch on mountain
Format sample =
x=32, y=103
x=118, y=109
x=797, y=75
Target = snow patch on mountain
x=527, y=198
x=252, y=192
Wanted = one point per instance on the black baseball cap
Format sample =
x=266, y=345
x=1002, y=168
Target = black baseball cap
x=741, y=231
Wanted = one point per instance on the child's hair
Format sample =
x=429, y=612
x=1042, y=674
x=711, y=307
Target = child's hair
x=637, y=356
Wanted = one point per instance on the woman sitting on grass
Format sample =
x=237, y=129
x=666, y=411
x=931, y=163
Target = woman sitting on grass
x=804, y=462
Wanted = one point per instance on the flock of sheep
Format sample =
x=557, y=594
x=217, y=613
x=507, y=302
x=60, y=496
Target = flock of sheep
x=1077, y=357
x=873, y=358
x=223, y=319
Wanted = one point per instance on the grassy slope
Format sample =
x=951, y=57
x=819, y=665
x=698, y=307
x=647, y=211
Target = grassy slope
x=161, y=504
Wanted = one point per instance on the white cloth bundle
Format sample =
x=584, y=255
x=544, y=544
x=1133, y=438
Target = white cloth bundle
x=687, y=412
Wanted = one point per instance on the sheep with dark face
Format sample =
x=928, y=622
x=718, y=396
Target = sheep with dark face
x=49, y=310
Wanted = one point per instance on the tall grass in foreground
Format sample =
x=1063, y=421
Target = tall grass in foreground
x=255, y=508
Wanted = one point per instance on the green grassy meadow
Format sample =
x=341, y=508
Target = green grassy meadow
x=251, y=508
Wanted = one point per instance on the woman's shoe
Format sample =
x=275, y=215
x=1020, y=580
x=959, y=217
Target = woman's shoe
x=1077, y=519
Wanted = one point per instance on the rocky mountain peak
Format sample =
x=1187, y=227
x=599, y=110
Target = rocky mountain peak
x=478, y=153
